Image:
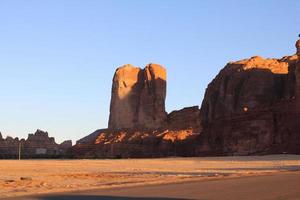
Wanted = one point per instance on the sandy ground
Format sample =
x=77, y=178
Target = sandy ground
x=273, y=186
x=26, y=177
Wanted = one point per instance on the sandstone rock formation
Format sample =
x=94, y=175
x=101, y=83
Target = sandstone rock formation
x=106, y=143
x=38, y=144
x=185, y=119
x=138, y=97
x=244, y=85
x=9, y=147
x=65, y=145
x=125, y=96
x=138, y=124
x=178, y=137
x=250, y=108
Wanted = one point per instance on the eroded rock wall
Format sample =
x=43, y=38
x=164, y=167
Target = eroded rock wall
x=247, y=108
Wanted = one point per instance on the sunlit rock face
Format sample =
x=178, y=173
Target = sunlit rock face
x=126, y=87
x=244, y=85
x=138, y=97
x=106, y=143
x=251, y=108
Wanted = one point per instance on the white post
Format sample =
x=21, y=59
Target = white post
x=20, y=143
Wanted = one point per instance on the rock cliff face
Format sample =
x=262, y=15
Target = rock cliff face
x=40, y=144
x=185, y=119
x=251, y=108
x=9, y=147
x=138, y=97
x=138, y=124
x=243, y=86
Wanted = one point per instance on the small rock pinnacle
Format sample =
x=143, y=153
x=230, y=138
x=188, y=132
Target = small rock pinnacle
x=298, y=46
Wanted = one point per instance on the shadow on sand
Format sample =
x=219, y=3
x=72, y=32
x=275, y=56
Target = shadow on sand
x=101, y=197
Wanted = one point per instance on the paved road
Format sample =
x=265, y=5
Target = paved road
x=284, y=186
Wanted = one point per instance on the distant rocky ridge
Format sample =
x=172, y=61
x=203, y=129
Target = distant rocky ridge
x=37, y=145
x=251, y=107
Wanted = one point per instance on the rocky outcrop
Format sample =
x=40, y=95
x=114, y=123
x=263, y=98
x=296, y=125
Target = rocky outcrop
x=131, y=143
x=251, y=108
x=138, y=98
x=65, y=145
x=243, y=86
x=9, y=147
x=185, y=119
x=37, y=145
x=177, y=137
x=40, y=144
x=138, y=123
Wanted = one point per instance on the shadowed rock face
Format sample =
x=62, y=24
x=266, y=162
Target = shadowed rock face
x=151, y=112
x=298, y=47
x=185, y=119
x=138, y=97
x=250, y=108
x=38, y=144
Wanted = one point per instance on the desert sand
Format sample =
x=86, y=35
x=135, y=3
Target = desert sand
x=25, y=177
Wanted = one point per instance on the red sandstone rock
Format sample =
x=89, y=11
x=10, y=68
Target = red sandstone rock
x=137, y=143
x=186, y=118
x=151, y=112
x=251, y=107
x=138, y=97
x=247, y=108
x=125, y=95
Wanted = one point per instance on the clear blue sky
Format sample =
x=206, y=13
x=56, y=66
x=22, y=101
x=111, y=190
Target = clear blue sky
x=57, y=57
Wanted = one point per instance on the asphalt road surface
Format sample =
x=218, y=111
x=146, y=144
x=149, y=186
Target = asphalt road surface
x=282, y=186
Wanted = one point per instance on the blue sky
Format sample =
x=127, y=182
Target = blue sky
x=58, y=57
